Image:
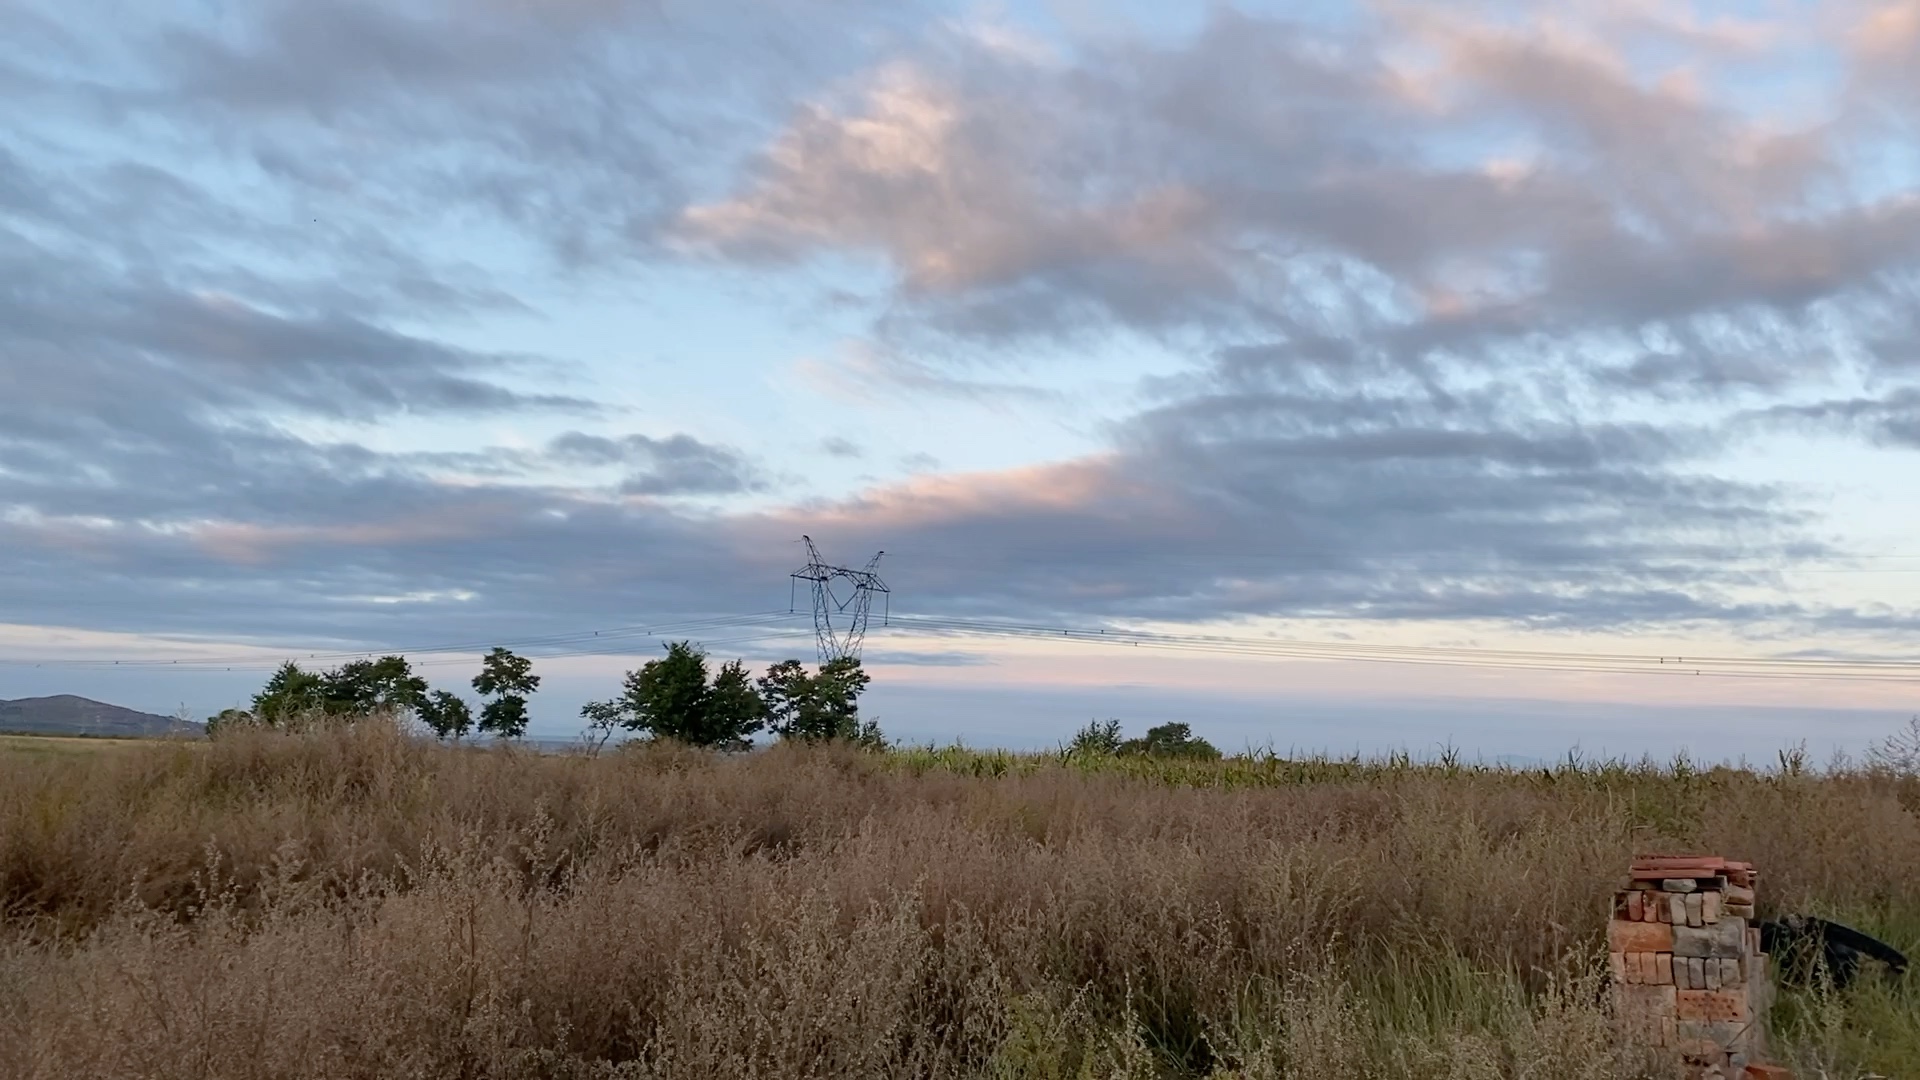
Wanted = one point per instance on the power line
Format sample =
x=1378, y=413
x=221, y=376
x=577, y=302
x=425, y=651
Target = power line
x=1690, y=658
x=768, y=626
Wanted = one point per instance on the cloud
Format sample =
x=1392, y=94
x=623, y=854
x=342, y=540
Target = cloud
x=1891, y=420
x=911, y=658
x=865, y=371
x=1524, y=181
x=1464, y=304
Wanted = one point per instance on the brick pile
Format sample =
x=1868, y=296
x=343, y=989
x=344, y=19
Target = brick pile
x=1689, y=976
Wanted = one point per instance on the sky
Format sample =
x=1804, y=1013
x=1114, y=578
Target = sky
x=331, y=326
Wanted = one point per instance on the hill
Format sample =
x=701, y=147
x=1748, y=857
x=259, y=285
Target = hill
x=66, y=714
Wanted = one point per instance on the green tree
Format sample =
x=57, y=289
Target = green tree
x=1097, y=739
x=665, y=697
x=289, y=692
x=354, y=689
x=787, y=689
x=365, y=687
x=602, y=717
x=507, y=679
x=733, y=708
x=817, y=707
x=1170, y=740
x=228, y=720
x=446, y=715
x=671, y=698
x=837, y=687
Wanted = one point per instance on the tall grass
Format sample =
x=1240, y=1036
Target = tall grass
x=353, y=902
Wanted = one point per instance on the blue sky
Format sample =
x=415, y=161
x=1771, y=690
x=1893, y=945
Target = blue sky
x=330, y=326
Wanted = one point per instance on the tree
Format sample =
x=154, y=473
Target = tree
x=289, y=692
x=507, y=679
x=364, y=687
x=670, y=698
x=786, y=689
x=354, y=689
x=837, y=687
x=665, y=698
x=1898, y=753
x=1170, y=740
x=1097, y=739
x=733, y=708
x=228, y=720
x=446, y=714
x=820, y=706
x=601, y=717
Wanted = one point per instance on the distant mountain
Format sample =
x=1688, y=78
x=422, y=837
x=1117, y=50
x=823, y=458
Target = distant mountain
x=65, y=714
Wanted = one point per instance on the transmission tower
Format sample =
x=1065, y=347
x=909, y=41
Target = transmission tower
x=840, y=621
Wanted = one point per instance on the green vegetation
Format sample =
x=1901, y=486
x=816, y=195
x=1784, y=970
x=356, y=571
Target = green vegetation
x=387, y=687
x=818, y=707
x=1099, y=739
x=676, y=698
x=356, y=688
x=506, y=679
x=345, y=900
x=445, y=714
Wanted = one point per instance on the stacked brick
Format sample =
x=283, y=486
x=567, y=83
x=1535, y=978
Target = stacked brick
x=1689, y=976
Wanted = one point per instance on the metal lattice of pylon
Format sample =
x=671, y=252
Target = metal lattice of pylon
x=840, y=622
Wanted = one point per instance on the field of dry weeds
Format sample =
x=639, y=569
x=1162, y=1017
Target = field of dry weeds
x=356, y=903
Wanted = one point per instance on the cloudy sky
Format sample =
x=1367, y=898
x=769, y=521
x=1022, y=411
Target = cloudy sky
x=331, y=325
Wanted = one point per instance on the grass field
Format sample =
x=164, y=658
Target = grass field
x=359, y=904
x=65, y=746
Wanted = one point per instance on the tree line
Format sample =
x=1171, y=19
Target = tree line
x=678, y=696
x=1104, y=739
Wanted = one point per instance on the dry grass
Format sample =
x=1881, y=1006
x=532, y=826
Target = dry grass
x=355, y=903
x=65, y=745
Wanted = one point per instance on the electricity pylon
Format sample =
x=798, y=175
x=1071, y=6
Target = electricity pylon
x=840, y=624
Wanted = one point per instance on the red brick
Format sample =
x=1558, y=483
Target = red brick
x=1636, y=906
x=1678, y=866
x=1710, y=1005
x=1662, y=969
x=1769, y=1072
x=1665, y=860
x=1639, y=937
